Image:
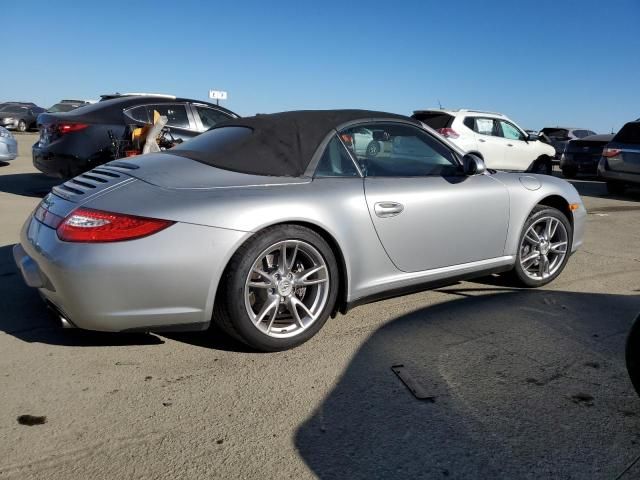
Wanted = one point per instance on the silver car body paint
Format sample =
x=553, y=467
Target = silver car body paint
x=447, y=229
x=8, y=146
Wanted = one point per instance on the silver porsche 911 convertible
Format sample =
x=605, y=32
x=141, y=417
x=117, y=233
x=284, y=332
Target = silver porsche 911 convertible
x=268, y=225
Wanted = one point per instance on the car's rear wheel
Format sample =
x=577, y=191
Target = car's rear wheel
x=22, y=126
x=544, y=248
x=278, y=289
x=615, y=187
x=569, y=172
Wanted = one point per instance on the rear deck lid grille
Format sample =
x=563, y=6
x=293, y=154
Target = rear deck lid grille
x=87, y=185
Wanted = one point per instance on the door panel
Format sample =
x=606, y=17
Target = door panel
x=432, y=222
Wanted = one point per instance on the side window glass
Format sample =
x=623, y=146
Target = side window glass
x=470, y=123
x=336, y=162
x=510, y=132
x=210, y=117
x=176, y=114
x=138, y=114
x=484, y=126
x=398, y=150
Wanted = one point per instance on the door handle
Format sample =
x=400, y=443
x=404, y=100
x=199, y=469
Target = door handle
x=388, y=209
x=481, y=140
x=509, y=144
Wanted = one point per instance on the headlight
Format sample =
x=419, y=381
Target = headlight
x=8, y=119
x=4, y=133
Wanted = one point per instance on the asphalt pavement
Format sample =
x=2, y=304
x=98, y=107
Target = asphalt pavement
x=513, y=383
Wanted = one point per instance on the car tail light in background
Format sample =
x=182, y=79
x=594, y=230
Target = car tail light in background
x=610, y=152
x=93, y=226
x=70, y=127
x=448, y=132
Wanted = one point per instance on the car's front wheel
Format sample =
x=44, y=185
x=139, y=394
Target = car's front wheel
x=278, y=289
x=544, y=248
x=22, y=126
x=373, y=148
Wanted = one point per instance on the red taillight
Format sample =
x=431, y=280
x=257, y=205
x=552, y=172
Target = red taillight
x=610, y=152
x=71, y=127
x=87, y=225
x=448, y=132
x=45, y=216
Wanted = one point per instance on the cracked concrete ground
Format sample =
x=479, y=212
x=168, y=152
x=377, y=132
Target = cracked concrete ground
x=524, y=383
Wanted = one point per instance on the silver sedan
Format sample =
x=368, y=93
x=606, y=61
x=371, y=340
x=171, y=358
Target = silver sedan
x=268, y=225
x=8, y=145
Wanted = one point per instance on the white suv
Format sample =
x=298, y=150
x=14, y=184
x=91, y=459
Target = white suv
x=501, y=143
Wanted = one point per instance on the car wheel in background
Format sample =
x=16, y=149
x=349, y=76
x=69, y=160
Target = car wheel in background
x=278, y=289
x=569, y=172
x=22, y=126
x=544, y=248
x=615, y=187
x=373, y=148
x=542, y=166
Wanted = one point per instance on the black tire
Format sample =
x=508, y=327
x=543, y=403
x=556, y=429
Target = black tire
x=633, y=354
x=615, y=188
x=230, y=314
x=518, y=276
x=543, y=166
x=569, y=172
x=22, y=126
x=373, y=149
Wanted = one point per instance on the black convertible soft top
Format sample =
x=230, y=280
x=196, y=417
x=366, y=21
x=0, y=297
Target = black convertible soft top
x=278, y=144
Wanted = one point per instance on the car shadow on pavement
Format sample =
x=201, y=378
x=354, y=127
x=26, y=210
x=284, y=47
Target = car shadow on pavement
x=24, y=315
x=513, y=384
x=213, y=339
x=28, y=184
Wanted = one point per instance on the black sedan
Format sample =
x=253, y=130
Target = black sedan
x=582, y=155
x=73, y=142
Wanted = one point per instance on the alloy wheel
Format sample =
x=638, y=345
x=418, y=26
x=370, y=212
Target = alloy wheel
x=287, y=288
x=543, y=248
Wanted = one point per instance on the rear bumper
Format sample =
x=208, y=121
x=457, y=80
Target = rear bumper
x=56, y=165
x=615, y=176
x=590, y=166
x=166, y=281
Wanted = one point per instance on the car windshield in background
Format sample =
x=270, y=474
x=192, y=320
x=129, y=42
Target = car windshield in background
x=630, y=133
x=583, y=133
x=435, y=120
x=207, y=145
x=555, y=132
x=63, y=107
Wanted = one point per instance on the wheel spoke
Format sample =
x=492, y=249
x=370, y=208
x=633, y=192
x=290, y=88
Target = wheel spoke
x=268, y=306
x=264, y=274
x=532, y=236
x=308, y=283
x=530, y=257
x=283, y=257
x=295, y=303
x=291, y=264
x=307, y=273
x=550, y=228
x=291, y=306
x=543, y=267
x=559, y=247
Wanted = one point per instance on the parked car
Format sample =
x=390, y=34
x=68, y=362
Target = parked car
x=583, y=155
x=270, y=224
x=620, y=162
x=68, y=105
x=74, y=142
x=560, y=136
x=495, y=138
x=19, y=116
x=8, y=145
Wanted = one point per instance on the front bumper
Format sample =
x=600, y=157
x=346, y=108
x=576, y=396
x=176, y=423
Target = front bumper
x=8, y=149
x=166, y=281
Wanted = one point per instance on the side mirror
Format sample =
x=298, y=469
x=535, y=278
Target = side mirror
x=380, y=136
x=532, y=137
x=473, y=165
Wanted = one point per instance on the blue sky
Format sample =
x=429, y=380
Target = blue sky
x=541, y=62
